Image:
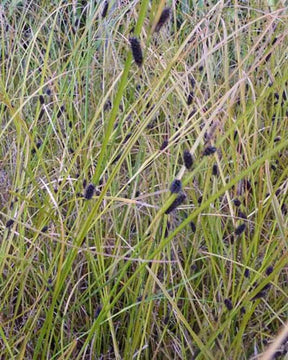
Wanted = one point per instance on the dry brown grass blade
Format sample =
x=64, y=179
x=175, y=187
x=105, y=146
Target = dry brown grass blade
x=269, y=353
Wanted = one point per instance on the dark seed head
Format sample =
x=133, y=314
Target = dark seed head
x=190, y=98
x=9, y=223
x=228, y=304
x=38, y=145
x=136, y=51
x=164, y=145
x=108, y=106
x=97, y=311
x=242, y=215
x=193, y=82
x=247, y=273
x=167, y=229
x=127, y=137
x=269, y=270
x=267, y=287
x=277, y=355
x=163, y=19
x=61, y=110
x=259, y=295
x=240, y=229
x=200, y=199
x=176, y=186
x=44, y=229
x=193, y=226
x=237, y=202
x=41, y=114
x=105, y=9
x=41, y=99
x=188, y=160
x=89, y=192
x=48, y=92
x=178, y=201
x=116, y=158
x=268, y=57
x=193, y=112
x=243, y=310
x=247, y=185
x=209, y=150
x=215, y=171
x=284, y=209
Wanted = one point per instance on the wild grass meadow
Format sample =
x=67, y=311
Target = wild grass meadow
x=143, y=179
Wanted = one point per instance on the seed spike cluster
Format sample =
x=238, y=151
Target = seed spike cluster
x=176, y=186
x=97, y=311
x=105, y=9
x=190, y=98
x=61, y=111
x=242, y=215
x=193, y=82
x=164, y=145
x=237, y=202
x=41, y=99
x=163, y=19
x=178, y=201
x=228, y=304
x=41, y=114
x=193, y=226
x=44, y=229
x=9, y=223
x=269, y=270
x=89, y=192
x=209, y=150
x=215, y=170
x=38, y=145
x=116, y=158
x=136, y=51
x=259, y=295
x=188, y=160
x=240, y=229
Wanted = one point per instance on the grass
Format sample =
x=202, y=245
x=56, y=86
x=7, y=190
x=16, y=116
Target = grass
x=118, y=276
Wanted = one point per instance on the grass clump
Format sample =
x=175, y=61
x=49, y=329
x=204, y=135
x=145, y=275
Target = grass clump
x=139, y=271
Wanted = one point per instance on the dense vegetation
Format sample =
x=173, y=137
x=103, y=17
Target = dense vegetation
x=143, y=179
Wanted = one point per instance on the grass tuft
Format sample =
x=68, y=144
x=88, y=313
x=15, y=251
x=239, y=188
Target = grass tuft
x=138, y=271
